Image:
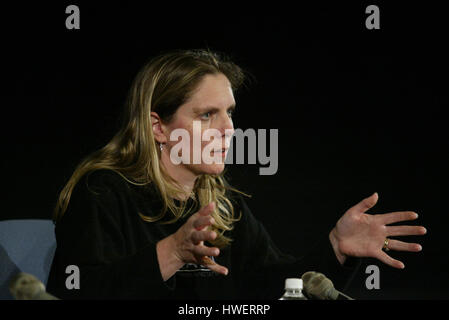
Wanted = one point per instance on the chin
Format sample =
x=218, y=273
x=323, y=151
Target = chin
x=212, y=169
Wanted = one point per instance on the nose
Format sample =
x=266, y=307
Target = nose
x=227, y=126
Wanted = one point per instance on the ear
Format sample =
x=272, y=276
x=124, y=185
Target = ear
x=158, y=128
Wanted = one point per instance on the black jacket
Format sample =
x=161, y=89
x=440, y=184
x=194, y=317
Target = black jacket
x=115, y=250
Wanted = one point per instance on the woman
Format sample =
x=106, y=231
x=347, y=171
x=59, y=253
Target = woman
x=138, y=223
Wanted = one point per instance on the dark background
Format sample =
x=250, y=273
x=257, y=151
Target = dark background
x=358, y=111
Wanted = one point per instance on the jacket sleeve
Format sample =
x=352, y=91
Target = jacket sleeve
x=260, y=264
x=89, y=236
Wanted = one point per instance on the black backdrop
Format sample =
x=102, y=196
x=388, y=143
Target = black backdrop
x=357, y=110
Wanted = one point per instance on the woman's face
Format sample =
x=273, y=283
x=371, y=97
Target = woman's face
x=206, y=118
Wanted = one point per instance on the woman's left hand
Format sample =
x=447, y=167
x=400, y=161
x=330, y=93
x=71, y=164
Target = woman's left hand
x=360, y=234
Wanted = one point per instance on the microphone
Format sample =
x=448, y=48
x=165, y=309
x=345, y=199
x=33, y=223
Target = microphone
x=24, y=286
x=319, y=286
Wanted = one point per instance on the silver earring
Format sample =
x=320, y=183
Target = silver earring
x=161, y=146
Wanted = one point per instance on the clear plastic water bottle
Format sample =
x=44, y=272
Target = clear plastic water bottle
x=293, y=290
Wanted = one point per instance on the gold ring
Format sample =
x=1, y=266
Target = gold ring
x=385, y=247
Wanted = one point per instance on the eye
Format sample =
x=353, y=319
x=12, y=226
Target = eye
x=230, y=113
x=206, y=116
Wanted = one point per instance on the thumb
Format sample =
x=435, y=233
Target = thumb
x=367, y=203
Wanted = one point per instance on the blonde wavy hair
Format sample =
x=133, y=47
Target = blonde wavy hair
x=162, y=86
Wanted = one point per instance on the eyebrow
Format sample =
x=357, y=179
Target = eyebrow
x=211, y=109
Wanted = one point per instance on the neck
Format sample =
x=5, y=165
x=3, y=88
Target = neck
x=185, y=178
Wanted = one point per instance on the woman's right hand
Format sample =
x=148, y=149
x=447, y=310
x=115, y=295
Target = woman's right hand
x=187, y=245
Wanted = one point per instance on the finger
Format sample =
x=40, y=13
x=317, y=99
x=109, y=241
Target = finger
x=205, y=261
x=393, y=217
x=366, y=203
x=205, y=235
x=385, y=258
x=207, y=209
x=203, y=221
x=218, y=268
x=212, y=265
x=206, y=251
x=406, y=231
x=403, y=246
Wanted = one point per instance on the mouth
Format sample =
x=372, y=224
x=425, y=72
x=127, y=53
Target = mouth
x=221, y=151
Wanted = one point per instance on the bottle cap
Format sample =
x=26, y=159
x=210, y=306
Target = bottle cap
x=293, y=283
